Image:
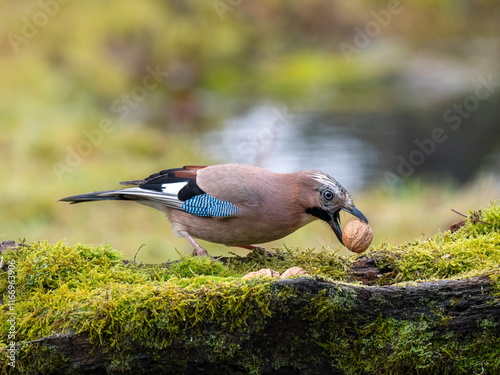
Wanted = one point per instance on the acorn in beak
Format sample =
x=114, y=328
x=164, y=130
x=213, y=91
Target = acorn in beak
x=335, y=220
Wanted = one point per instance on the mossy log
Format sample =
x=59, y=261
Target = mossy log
x=321, y=327
x=427, y=307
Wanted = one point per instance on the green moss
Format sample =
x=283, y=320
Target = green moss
x=39, y=359
x=322, y=263
x=391, y=346
x=484, y=222
x=89, y=290
x=200, y=304
x=328, y=303
x=102, y=297
x=190, y=266
x=473, y=250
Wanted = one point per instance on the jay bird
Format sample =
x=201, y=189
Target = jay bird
x=236, y=204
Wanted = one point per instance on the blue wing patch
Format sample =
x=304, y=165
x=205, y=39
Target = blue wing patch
x=208, y=206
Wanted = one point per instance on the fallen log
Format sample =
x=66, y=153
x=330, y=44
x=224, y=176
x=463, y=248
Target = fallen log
x=429, y=307
x=314, y=327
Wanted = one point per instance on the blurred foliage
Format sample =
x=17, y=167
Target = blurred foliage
x=286, y=49
x=67, y=68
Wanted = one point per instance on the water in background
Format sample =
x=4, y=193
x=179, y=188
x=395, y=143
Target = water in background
x=270, y=137
x=359, y=150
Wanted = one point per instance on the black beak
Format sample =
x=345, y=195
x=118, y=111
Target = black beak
x=335, y=220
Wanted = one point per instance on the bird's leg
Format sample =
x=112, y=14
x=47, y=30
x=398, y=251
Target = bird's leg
x=198, y=250
x=253, y=248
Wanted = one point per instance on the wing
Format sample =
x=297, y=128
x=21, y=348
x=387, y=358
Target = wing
x=166, y=176
x=176, y=188
x=243, y=185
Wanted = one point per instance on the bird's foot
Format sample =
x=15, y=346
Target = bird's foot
x=199, y=251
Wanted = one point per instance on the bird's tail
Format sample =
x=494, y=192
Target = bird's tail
x=106, y=195
x=152, y=198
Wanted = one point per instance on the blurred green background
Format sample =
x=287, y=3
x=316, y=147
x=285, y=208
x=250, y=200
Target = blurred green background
x=92, y=93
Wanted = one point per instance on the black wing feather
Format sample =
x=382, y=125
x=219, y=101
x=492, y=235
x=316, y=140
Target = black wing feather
x=190, y=190
x=168, y=176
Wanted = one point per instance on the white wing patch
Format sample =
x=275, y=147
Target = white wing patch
x=173, y=188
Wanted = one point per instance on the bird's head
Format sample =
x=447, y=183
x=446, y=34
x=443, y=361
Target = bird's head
x=330, y=198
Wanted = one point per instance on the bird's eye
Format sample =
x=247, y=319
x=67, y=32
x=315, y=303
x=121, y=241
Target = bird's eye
x=328, y=195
